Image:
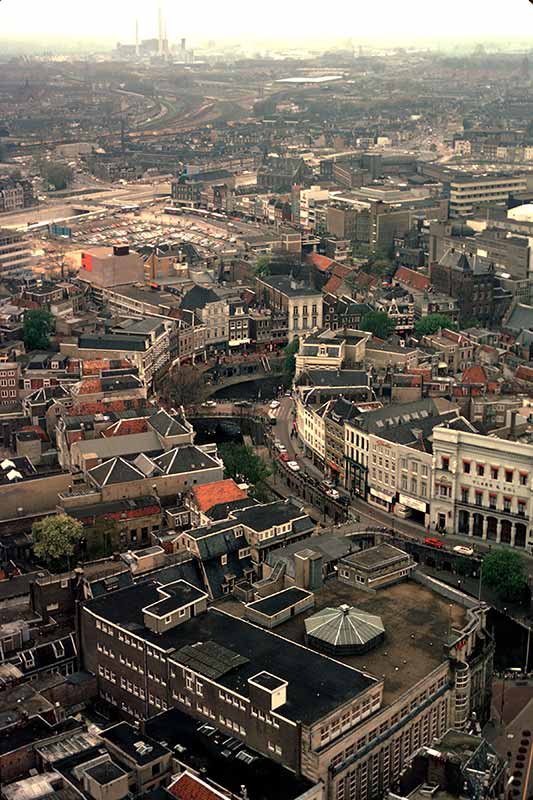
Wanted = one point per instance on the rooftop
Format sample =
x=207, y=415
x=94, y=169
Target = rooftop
x=416, y=621
x=126, y=738
x=203, y=751
x=272, y=605
x=316, y=685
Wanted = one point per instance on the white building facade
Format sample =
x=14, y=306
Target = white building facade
x=482, y=487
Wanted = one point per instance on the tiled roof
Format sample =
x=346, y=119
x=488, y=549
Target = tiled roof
x=123, y=427
x=474, y=375
x=333, y=284
x=211, y=494
x=35, y=429
x=322, y=263
x=412, y=278
x=90, y=386
x=524, y=373
x=189, y=787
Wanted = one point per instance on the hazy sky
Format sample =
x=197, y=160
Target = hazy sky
x=283, y=18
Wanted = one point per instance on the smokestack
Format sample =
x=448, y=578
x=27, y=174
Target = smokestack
x=183, y=48
x=137, y=50
x=160, y=26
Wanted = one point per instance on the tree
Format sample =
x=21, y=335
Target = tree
x=38, y=325
x=505, y=572
x=378, y=323
x=289, y=364
x=58, y=176
x=262, y=266
x=185, y=387
x=432, y=323
x=55, y=538
x=241, y=463
x=101, y=539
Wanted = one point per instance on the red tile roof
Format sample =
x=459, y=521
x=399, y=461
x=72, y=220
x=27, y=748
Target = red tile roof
x=90, y=386
x=123, y=427
x=474, y=375
x=323, y=263
x=211, y=494
x=341, y=271
x=412, y=279
x=35, y=429
x=189, y=787
x=524, y=373
x=333, y=284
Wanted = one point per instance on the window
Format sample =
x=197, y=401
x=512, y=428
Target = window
x=224, y=560
x=479, y=498
x=523, y=479
x=445, y=463
x=480, y=469
x=521, y=508
x=507, y=504
x=464, y=495
x=494, y=472
x=508, y=476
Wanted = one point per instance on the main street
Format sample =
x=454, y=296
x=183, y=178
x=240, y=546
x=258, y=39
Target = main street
x=367, y=513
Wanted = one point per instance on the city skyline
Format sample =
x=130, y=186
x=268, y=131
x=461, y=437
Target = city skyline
x=409, y=20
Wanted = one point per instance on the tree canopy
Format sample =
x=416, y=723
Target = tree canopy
x=262, y=266
x=55, y=538
x=504, y=570
x=58, y=176
x=429, y=325
x=289, y=364
x=185, y=387
x=378, y=323
x=242, y=464
x=38, y=325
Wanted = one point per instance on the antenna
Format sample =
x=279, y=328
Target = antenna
x=137, y=50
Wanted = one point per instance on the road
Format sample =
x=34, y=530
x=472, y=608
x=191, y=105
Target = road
x=367, y=513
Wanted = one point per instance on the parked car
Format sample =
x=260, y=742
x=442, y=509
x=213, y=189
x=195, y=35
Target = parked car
x=294, y=466
x=275, y=404
x=284, y=457
x=209, y=404
x=402, y=511
x=463, y=550
x=280, y=447
x=333, y=493
x=432, y=541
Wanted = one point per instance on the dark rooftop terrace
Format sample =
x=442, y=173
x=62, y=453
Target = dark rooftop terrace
x=203, y=748
x=416, y=620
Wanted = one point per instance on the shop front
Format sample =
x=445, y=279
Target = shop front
x=382, y=500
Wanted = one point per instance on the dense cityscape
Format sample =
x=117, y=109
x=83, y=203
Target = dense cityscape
x=266, y=414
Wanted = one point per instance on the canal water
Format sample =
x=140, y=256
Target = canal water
x=256, y=389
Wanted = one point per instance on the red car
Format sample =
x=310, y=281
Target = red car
x=284, y=457
x=432, y=542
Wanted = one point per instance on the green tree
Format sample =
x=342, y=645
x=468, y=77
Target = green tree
x=55, y=538
x=504, y=571
x=58, y=176
x=432, y=323
x=289, y=364
x=38, y=325
x=242, y=464
x=262, y=266
x=101, y=539
x=378, y=323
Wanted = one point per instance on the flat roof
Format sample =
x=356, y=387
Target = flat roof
x=270, y=606
x=125, y=737
x=316, y=685
x=376, y=556
x=203, y=749
x=416, y=621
